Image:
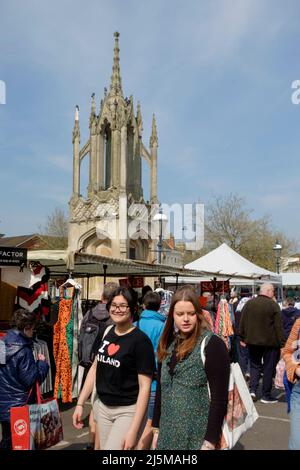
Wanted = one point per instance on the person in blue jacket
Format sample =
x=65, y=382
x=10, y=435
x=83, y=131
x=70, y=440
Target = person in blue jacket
x=152, y=323
x=18, y=369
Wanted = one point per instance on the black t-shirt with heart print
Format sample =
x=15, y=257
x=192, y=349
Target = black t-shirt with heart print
x=119, y=361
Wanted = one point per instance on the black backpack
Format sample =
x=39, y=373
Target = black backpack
x=90, y=328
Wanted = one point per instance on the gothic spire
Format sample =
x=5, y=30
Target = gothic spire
x=93, y=109
x=116, y=85
x=139, y=119
x=76, y=113
x=153, y=138
x=76, y=130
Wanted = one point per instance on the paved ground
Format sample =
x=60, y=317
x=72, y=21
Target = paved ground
x=270, y=431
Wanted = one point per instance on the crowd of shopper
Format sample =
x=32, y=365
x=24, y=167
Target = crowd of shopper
x=146, y=365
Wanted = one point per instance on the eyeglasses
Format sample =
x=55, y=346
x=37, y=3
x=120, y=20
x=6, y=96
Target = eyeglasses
x=121, y=307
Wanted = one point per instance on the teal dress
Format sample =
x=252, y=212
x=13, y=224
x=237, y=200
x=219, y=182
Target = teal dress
x=184, y=402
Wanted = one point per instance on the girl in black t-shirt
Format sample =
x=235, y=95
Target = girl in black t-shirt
x=122, y=370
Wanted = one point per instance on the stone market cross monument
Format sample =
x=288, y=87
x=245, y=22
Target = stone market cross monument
x=114, y=149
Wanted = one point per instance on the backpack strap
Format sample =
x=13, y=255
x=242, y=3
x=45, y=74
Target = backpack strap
x=107, y=329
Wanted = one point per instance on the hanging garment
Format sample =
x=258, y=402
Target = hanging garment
x=223, y=325
x=63, y=378
x=44, y=332
x=24, y=278
x=77, y=373
x=165, y=302
x=208, y=319
x=41, y=347
x=73, y=335
x=35, y=297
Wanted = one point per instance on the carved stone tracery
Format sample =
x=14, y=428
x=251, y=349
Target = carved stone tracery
x=115, y=149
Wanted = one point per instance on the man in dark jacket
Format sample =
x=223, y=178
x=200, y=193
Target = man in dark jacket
x=261, y=329
x=289, y=315
x=18, y=370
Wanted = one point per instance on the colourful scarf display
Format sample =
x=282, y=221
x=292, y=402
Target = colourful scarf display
x=223, y=325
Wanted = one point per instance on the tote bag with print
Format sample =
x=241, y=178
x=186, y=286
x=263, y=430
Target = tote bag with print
x=241, y=412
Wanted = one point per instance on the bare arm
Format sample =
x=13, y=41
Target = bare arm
x=85, y=393
x=130, y=439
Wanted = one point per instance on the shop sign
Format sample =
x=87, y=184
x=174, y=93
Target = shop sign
x=219, y=287
x=12, y=256
x=132, y=282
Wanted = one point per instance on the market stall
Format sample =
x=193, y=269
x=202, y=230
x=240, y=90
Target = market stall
x=54, y=284
x=227, y=264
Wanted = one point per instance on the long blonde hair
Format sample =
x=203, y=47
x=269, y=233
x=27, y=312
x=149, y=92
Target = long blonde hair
x=187, y=345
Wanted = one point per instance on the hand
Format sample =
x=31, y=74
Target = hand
x=77, y=417
x=129, y=441
x=297, y=371
x=154, y=440
x=41, y=357
x=243, y=344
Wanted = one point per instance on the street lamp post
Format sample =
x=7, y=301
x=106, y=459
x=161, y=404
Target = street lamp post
x=160, y=217
x=277, y=248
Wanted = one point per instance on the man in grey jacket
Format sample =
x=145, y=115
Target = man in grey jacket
x=261, y=329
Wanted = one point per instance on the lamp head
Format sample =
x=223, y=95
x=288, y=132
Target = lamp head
x=277, y=246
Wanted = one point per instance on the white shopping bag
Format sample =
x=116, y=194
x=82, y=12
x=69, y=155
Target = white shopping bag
x=241, y=412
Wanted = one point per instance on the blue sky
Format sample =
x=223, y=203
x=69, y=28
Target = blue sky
x=217, y=74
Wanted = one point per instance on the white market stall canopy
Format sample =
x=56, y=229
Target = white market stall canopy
x=225, y=262
x=290, y=279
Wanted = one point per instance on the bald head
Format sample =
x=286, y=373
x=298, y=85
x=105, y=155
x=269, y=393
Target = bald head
x=267, y=289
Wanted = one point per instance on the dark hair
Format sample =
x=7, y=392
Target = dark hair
x=22, y=319
x=146, y=289
x=290, y=301
x=187, y=345
x=126, y=294
x=134, y=294
x=108, y=289
x=151, y=301
x=245, y=292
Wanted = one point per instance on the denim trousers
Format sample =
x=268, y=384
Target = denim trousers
x=243, y=357
x=151, y=404
x=294, y=441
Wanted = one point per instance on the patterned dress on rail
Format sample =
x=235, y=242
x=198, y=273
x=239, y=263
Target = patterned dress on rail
x=63, y=377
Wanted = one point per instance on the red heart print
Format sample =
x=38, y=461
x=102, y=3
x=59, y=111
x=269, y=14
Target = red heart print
x=113, y=349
